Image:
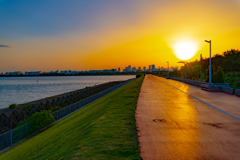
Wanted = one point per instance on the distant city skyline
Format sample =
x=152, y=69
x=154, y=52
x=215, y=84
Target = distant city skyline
x=127, y=69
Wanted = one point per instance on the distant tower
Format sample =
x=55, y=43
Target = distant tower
x=153, y=67
x=144, y=68
x=119, y=70
x=150, y=68
x=129, y=67
x=200, y=57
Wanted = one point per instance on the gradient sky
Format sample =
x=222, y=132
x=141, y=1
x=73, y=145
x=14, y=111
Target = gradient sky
x=104, y=34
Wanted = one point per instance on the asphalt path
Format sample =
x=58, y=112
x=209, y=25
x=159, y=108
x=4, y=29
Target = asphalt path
x=180, y=121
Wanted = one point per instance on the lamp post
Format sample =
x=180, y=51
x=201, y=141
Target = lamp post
x=168, y=70
x=210, y=64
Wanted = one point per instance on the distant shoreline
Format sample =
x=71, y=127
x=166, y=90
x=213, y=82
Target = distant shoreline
x=80, y=74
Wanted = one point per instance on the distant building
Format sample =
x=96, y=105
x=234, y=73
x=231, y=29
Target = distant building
x=109, y=70
x=33, y=73
x=200, y=57
x=72, y=72
x=77, y=72
x=16, y=73
x=144, y=68
x=95, y=71
x=53, y=72
x=163, y=69
x=9, y=73
x=64, y=72
x=134, y=69
x=150, y=68
x=153, y=67
x=129, y=68
x=119, y=70
x=139, y=69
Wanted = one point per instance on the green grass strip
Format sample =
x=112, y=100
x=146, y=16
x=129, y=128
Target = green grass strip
x=104, y=129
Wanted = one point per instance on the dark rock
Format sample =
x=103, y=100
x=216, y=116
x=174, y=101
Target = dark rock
x=41, y=108
x=15, y=114
x=33, y=111
x=26, y=110
x=61, y=104
x=22, y=116
x=3, y=118
x=11, y=122
x=53, y=103
x=33, y=107
x=47, y=106
x=58, y=101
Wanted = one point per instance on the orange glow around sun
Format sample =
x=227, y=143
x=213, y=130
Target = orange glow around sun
x=152, y=33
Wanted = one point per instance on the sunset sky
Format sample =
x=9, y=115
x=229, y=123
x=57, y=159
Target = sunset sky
x=105, y=34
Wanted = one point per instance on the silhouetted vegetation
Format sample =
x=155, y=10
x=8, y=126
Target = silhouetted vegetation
x=28, y=106
x=13, y=105
x=38, y=120
x=55, y=108
x=225, y=69
x=138, y=75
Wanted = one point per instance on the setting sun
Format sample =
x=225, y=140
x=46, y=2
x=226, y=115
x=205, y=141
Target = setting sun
x=185, y=50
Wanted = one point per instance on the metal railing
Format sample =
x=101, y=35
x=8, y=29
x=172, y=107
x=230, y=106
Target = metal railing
x=18, y=134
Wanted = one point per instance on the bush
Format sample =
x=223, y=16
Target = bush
x=218, y=77
x=28, y=106
x=55, y=108
x=13, y=105
x=138, y=75
x=37, y=121
x=236, y=85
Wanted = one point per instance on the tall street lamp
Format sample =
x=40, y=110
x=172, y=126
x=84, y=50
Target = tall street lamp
x=210, y=64
x=168, y=70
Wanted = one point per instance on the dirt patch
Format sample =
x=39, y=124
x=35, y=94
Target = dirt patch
x=159, y=120
x=217, y=125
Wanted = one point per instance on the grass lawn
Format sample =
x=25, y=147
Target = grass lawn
x=104, y=129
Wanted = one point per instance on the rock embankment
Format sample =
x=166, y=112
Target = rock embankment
x=10, y=118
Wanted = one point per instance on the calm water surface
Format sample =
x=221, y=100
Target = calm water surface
x=25, y=89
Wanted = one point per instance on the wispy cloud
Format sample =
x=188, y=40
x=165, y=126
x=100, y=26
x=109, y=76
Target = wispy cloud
x=1, y=45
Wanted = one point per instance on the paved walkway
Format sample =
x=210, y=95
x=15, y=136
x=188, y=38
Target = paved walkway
x=174, y=125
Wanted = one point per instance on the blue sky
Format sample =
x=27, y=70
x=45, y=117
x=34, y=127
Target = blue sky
x=39, y=18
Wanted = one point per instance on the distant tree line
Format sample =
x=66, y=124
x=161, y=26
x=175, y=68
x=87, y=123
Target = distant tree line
x=224, y=65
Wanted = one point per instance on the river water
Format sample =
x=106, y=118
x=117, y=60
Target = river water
x=25, y=89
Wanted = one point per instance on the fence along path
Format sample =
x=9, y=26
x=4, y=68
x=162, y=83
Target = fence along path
x=18, y=134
